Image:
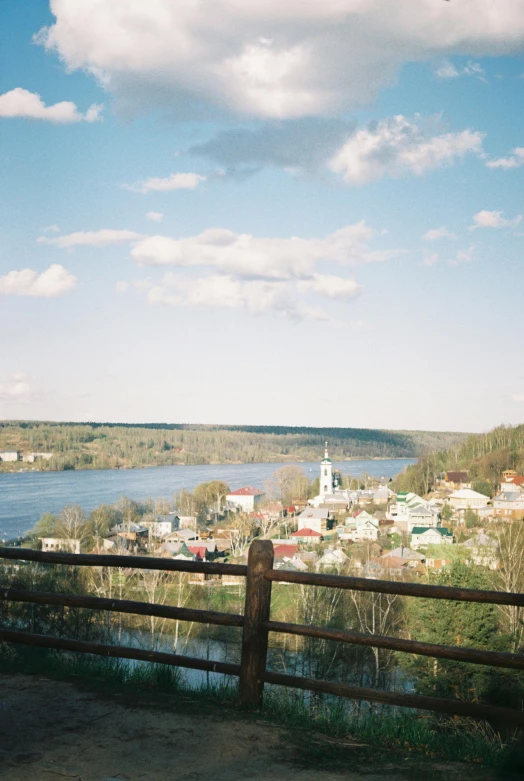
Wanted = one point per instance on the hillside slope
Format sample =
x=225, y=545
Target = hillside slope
x=102, y=445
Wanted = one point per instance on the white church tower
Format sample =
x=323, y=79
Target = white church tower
x=326, y=474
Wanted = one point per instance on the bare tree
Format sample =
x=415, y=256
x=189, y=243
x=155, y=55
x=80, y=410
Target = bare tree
x=155, y=583
x=71, y=525
x=510, y=577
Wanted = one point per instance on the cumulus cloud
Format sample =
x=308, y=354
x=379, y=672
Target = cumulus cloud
x=331, y=286
x=267, y=58
x=518, y=397
x=399, y=146
x=430, y=260
x=438, y=233
x=155, y=216
x=15, y=388
x=180, y=181
x=20, y=102
x=223, y=291
x=99, y=238
x=50, y=283
x=515, y=160
x=487, y=219
x=252, y=257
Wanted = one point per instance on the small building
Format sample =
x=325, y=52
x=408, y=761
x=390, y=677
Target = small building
x=411, y=557
x=244, y=499
x=9, y=455
x=455, y=480
x=315, y=518
x=509, y=505
x=30, y=458
x=333, y=558
x=423, y=515
x=55, y=544
x=306, y=536
x=422, y=536
x=130, y=531
x=483, y=550
x=467, y=499
x=183, y=535
x=512, y=483
x=285, y=551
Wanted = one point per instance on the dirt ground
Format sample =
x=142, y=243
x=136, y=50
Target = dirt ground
x=56, y=730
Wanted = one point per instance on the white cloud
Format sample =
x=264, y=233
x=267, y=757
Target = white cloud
x=99, y=238
x=331, y=286
x=250, y=257
x=446, y=70
x=265, y=57
x=487, y=219
x=223, y=291
x=180, y=181
x=22, y=103
x=438, y=233
x=121, y=287
x=155, y=216
x=48, y=284
x=518, y=397
x=513, y=161
x=15, y=388
x=398, y=146
x=52, y=229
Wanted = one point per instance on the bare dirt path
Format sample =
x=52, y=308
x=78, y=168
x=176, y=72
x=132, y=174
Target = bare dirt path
x=55, y=730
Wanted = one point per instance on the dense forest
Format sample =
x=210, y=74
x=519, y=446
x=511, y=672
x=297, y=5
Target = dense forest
x=484, y=456
x=112, y=445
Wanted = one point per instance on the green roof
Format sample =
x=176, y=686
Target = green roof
x=441, y=530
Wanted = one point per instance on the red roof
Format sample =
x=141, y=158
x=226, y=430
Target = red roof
x=198, y=551
x=285, y=550
x=516, y=480
x=247, y=491
x=305, y=533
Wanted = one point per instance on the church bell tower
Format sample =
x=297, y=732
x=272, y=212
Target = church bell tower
x=326, y=474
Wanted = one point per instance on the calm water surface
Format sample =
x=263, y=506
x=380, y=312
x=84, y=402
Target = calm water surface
x=25, y=496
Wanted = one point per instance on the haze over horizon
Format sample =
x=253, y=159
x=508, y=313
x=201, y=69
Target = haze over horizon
x=300, y=214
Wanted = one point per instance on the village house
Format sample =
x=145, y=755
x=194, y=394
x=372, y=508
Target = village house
x=55, y=544
x=483, y=550
x=455, y=480
x=467, y=499
x=162, y=525
x=512, y=483
x=422, y=515
x=406, y=500
x=422, y=536
x=411, y=557
x=509, y=505
x=332, y=558
x=182, y=535
x=244, y=499
x=315, y=518
x=306, y=536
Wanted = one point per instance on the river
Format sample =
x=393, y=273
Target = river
x=24, y=496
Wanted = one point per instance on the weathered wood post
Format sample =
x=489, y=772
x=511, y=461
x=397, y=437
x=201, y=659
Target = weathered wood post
x=256, y=611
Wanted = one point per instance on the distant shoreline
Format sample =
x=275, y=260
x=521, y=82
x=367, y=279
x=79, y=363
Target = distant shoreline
x=349, y=460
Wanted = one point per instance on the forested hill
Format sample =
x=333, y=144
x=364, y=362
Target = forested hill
x=484, y=456
x=109, y=445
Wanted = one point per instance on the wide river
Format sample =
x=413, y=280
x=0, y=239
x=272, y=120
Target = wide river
x=24, y=496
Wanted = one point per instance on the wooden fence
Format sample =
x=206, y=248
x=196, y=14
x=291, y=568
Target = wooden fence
x=256, y=624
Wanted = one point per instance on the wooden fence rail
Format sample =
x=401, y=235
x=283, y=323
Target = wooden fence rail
x=256, y=624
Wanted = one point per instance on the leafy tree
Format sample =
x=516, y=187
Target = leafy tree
x=471, y=519
x=446, y=513
x=482, y=487
x=454, y=624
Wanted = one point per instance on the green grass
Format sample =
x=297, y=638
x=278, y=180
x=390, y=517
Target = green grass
x=333, y=735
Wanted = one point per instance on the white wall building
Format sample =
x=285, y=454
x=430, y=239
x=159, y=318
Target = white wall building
x=9, y=455
x=467, y=499
x=244, y=499
x=54, y=544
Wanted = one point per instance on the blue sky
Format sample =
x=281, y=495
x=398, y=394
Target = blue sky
x=235, y=213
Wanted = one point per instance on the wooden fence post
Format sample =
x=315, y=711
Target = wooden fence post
x=256, y=611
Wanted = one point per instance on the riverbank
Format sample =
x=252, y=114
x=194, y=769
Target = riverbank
x=25, y=496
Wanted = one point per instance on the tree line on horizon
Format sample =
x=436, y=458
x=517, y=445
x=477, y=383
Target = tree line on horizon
x=105, y=446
